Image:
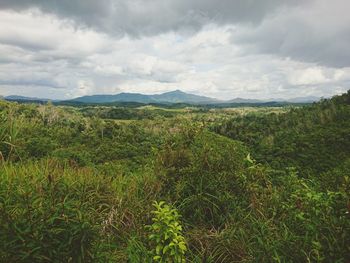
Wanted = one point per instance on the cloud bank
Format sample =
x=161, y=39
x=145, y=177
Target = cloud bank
x=225, y=49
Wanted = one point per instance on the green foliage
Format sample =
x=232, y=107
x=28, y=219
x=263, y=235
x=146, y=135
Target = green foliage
x=166, y=235
x=123, y=113
x=9, y=134
x=203, y=172
x=137, y=252
x=77, y=185
x=42, y=218
x=320, y=132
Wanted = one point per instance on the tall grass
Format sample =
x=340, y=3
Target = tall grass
x=52, y=212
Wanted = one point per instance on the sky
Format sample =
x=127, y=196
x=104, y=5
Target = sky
x=60, y=49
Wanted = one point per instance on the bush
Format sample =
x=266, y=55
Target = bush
x=166, y=235
x=204, y=174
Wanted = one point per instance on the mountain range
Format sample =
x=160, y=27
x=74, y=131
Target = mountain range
x=176, y=96
x=171, y=97
x=23, y=98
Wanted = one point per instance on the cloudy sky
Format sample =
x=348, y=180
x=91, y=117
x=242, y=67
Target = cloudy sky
x=220, y=48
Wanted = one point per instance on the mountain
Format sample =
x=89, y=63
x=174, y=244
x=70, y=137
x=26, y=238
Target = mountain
x=308, y=99
x=172, y=97
x=241, y=100
x=121, y=97
x=23, y=98
x=179, y=96
x=176, y=96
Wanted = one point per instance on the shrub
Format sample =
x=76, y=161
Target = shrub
x=166, y=235
x=204, y=174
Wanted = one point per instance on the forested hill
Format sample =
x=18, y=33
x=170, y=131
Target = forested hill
x=312, y=138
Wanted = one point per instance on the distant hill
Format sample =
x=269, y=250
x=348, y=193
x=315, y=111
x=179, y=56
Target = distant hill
x=17, y=98
x=179, y=96
x=121, y=97
x=241, y=100
x=172, y=97
x=319, y=132
x=25, y=99
x=176, y=96
x=308, y=99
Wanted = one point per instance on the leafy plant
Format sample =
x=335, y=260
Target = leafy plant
x=166, y=235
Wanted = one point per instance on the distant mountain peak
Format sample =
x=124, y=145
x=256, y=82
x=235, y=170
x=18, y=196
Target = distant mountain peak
x=174, y=92
x=177, y=91
x=175, y=96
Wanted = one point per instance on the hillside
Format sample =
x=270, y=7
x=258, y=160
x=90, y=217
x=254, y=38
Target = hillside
x=314, y=138
x=176, y=96
x=23, y=98
x=114, y=184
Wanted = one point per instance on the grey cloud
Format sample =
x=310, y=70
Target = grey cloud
x=30, y=82
x=25, y=44
x=316, y=31
x=317, y=34
x=149, y=17
x=44, y=54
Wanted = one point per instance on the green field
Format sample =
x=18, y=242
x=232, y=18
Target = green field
x=249, y=184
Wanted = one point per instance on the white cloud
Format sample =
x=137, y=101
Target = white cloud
x=308, y=76
x=47, y=56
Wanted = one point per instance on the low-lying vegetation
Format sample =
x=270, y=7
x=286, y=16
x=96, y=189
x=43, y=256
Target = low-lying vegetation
x=77, y=185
